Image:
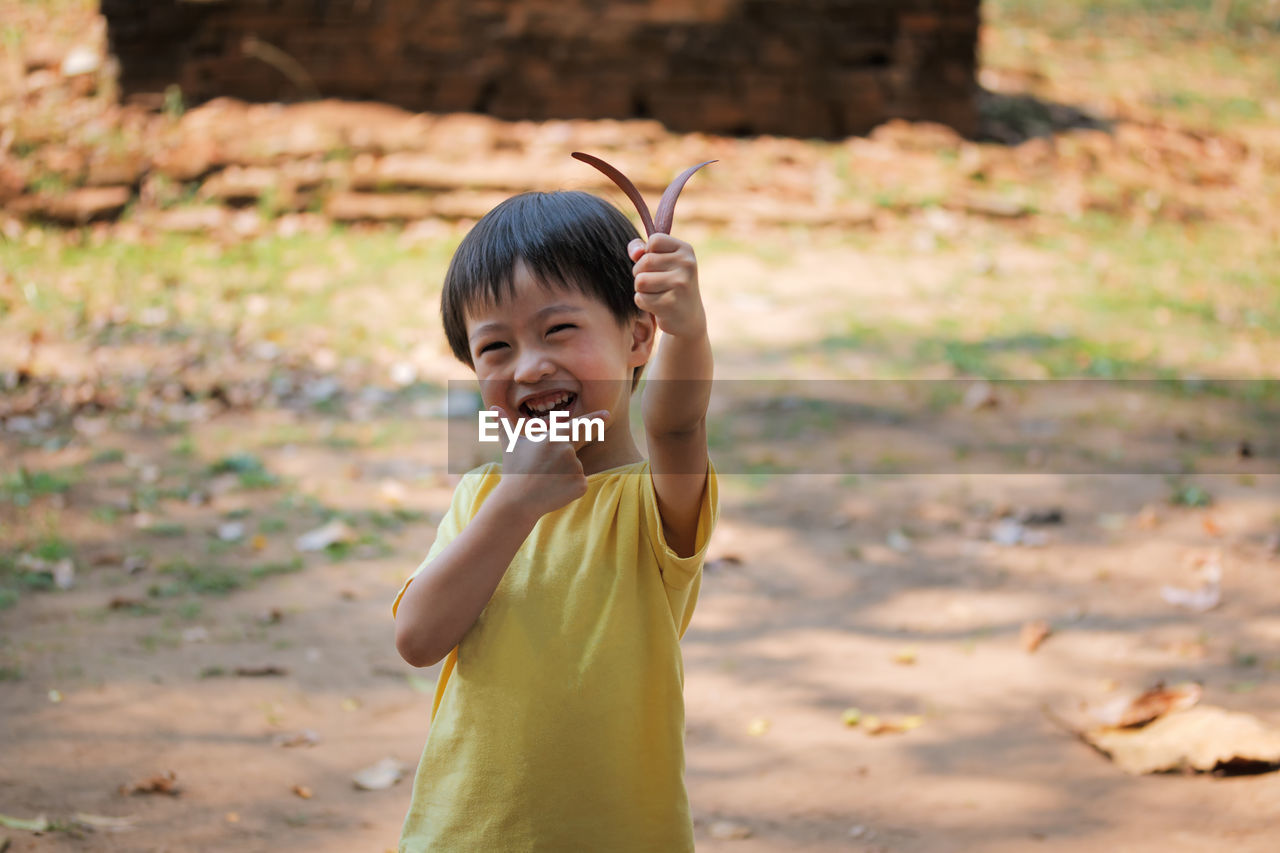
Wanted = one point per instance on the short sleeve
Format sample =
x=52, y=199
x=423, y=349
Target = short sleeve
x=678, y=572
x=462, y=508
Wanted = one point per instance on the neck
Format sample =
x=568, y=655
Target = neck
x=618, y=448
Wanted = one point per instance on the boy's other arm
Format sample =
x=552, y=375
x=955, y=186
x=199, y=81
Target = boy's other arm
x=679, y=385
x=445, y=599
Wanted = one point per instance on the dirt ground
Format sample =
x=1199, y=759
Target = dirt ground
x=185, y=647
x=880, y=593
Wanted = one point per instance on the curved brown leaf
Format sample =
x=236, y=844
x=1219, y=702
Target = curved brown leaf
x=667, y=206
x=624, y=184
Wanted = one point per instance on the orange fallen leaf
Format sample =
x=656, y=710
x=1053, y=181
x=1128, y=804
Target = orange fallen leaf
x=905, y=657
x=1210, y=526
x=1149, y=705
x=1033, y=634
x=163, y=784
x=302, y=791
x=874, y=725
x=1148, y=519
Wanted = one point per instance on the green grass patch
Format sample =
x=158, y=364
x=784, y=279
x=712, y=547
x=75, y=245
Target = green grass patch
x=266, y=570
x=22, y=486
x=196, y=579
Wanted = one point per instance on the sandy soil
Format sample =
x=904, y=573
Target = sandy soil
x=880, y=593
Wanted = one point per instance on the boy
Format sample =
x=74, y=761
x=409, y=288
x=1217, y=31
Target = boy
x=560, y=583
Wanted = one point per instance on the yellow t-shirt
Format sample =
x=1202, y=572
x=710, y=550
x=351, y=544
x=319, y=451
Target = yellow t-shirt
x=558, y=721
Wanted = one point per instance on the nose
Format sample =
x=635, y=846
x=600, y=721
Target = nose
x=532, y=365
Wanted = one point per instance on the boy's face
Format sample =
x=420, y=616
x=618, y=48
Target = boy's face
x=555, y=349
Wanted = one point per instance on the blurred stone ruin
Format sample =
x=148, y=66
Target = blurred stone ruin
x=821, y=68
x=83, y=140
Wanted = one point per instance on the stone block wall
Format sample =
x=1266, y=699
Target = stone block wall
x=824, y=68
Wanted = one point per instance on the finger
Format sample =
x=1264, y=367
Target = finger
x=654, y=303
x=655, y=282
x=505, y=414
x=588, y=432
x=657, y=262
x=635, y=249
x=665, y=243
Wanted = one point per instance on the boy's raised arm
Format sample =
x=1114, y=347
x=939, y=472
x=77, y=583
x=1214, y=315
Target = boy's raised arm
x=679, y=383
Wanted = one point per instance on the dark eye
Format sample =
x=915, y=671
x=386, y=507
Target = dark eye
x=492, y=346
x=559, y=327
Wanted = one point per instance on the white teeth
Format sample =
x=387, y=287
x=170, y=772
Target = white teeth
x=550, y=403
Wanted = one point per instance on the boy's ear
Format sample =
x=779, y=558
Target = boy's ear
x=644, y=329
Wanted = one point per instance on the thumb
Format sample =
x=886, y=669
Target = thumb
x=589, y=433
x=504, y=413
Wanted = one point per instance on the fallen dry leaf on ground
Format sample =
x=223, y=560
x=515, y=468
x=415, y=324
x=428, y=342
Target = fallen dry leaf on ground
x=306, y=737
x=727, y=830
x=379, y=776
x=320, y=538
x=873, y=725
x=302, y=791
x=163, y=784
x=1203, y=738
x=1201, y=600
x=1033, y=634
x=905, y=656
x=1151, y=704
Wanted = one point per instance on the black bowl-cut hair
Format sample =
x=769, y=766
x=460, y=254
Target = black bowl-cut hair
x=570, y=237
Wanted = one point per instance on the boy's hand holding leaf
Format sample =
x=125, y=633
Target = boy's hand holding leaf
x=666, y=276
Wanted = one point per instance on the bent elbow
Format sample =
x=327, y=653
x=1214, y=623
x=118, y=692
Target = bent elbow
x=415, y=651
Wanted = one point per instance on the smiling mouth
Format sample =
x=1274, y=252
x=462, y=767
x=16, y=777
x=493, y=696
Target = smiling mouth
x=543, y=405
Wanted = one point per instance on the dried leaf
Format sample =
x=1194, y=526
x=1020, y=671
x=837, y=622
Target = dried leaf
x=1133, y=711
x=320, y=538
x=1199, y=600
x=905, y=656
x=231, y=531
x=306, y=737
x=874, y=725
x=1203, y=738
x=727, y=830
x=379, y=776
x=64, y=574
x=851, y=717
x=164, y=784
x=302, y=791
x=1033, y=634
